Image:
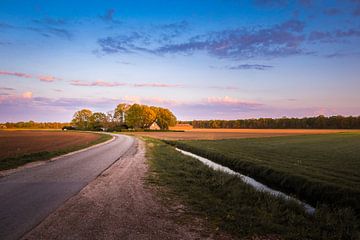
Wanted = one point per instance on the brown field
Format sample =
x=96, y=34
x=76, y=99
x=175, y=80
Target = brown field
x=17, y=143
x=212, y=134
x=182, y=126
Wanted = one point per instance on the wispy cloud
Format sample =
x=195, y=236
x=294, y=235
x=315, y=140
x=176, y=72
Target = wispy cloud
x=17, y=74
x=230, y=101
x=109, y=16
x=43, y=78
x=284, y=39
x=48, y=78
x=333, y=36
x=271, y=3
x=147, y=40
x=98, y=83
x=15, y=98
x=250, y=66
x=5, y=43
x=46, y=30
x=160, y=85
x=342, y=54
x=7, y=88
x=51, y=31
x=50, y=21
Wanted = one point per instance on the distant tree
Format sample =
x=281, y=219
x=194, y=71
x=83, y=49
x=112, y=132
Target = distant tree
x=321, y=122
x=164, y=118
x=97, y=121
x=120, y=112
x=82, y=119
x=140, y=116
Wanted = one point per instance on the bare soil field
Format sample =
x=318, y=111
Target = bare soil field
x=215, y=134
x=18, y=143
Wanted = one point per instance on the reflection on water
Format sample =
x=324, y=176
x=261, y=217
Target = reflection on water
x=258, y=186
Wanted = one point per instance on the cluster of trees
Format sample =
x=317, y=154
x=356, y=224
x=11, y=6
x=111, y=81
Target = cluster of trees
x=34, y=125
x=319, y=122
x=124, y=116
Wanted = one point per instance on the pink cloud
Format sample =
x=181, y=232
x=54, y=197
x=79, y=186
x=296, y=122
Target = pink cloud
x=16, y=98
x=132, y=99
x=151, y=101
x=27, y=95
x=43, y=78
x=17, y=74
x=229, y=101
x=98, y=83
x=48, y=78
x=164, y=85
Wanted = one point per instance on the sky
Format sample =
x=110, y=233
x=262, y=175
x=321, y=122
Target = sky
x=215, y=59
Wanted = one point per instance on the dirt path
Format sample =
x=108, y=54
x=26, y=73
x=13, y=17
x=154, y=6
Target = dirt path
x=117, y=205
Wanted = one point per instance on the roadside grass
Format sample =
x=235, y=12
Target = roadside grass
x=13, y=162
x=318, y=169
x=236, y=208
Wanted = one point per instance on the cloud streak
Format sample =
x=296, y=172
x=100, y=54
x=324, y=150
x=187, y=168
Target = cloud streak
x=46, y=30
x=100, y=83
x=43, y=78
x=249, y=67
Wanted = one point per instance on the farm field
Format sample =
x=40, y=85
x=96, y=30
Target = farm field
x=316, y=168
x=20, y=147
x=232, y=206
x=214, y=134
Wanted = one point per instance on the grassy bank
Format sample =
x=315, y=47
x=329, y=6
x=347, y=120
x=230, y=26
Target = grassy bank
x=13, y=162
x=236, y=208
x=318, y=168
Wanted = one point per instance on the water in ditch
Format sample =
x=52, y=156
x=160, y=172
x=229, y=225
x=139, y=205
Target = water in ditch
x=248, y=180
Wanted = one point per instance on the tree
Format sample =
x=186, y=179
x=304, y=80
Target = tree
x=164, y=118
x=120, y=112
x=82, y=119
x=97, y=121
x=140, y=116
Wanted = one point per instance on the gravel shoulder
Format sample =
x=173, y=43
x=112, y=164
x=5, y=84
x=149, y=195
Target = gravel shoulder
x=116, y=205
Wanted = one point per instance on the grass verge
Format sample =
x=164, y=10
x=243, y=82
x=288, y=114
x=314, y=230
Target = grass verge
x=13, y=162
x=237, y=208
x=317, y=169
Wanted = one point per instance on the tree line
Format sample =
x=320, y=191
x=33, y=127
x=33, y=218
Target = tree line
x=124, y=116
x=33, y=125
x=319, y=122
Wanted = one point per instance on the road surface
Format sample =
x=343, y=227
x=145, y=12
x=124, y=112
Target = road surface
x=29, y=196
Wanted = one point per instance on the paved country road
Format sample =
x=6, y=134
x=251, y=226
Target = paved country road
x=30, y=195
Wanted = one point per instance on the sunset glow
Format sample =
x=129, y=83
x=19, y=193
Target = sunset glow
x=213, y=60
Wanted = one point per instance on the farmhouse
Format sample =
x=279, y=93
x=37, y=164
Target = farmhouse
x=154, y=126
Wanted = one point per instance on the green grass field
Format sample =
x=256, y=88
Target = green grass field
x=233, y=207
x=315, y=168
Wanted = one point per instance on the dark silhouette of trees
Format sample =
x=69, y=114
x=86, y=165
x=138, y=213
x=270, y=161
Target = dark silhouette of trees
x=319, y=122
x=33, y=125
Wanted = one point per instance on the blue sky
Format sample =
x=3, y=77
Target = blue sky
x=223, y=59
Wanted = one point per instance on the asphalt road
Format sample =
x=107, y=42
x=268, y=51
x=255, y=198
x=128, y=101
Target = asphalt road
x=30, y=195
